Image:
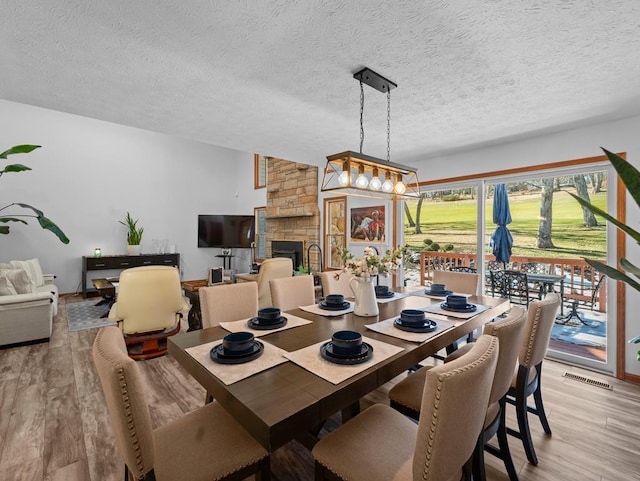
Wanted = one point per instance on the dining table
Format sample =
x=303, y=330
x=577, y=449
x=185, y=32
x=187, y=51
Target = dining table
x=287, y=401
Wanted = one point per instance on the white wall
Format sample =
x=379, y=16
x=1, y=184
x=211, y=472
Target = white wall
x=89, y=173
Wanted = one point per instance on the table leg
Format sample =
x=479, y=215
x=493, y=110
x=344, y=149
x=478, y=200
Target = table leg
x=195, y=317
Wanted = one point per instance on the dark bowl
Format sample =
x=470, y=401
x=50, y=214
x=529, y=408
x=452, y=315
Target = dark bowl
x=238, y=343
x=381, y=290
x=412, y=316
x=346, y=342
x=438, y=287
x=455, y=300
x=269, y=314
x=334, y=299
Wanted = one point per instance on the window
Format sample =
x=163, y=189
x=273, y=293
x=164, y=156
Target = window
x=335, y=209
x=259, y=253
x=259, y=171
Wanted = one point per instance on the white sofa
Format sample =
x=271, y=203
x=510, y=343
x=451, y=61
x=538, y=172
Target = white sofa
x=29, y=316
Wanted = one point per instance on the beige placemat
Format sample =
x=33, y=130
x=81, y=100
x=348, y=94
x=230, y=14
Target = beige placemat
x=230, y=373
x=315, y=309
x=387, y=328
x=396, y=296
x=416, y=302
x=436, y=309
x=241, y=325
x=310, y=359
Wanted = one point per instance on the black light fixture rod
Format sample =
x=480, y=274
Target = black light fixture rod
x=375, y=80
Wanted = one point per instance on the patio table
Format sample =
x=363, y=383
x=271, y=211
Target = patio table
x=547, y=281
x=287, y=401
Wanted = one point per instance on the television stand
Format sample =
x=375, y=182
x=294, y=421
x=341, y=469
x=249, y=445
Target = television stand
x=226, y=260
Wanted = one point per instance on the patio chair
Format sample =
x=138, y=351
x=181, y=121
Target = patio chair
x=512, y=285
x=590, y=303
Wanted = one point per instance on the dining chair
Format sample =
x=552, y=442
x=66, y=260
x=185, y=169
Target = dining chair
x=273, y=268
x=331, y=285
x=291, y=292
x=459, y=282
x=541, y=316
x=205, y=444
x=228, y=302
x=382, y=444
x=406, y=396
x=149, y=308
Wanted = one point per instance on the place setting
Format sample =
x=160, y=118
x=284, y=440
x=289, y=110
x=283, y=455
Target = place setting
x=384, y=294
x=412, y=325
x=236, y=356
x=332, y=305
x=456, y=305
x=435, y=290
x=267, y=320
x=346, y=354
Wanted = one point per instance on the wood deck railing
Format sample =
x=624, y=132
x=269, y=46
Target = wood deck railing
x=580, y=277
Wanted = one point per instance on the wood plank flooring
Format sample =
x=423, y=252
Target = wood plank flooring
x=54, y=425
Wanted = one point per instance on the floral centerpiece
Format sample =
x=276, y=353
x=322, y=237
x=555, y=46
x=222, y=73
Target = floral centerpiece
x=371, y=264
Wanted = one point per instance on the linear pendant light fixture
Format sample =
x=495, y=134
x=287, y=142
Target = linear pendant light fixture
x=355, y=173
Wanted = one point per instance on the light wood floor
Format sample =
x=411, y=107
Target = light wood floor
x=54, y=426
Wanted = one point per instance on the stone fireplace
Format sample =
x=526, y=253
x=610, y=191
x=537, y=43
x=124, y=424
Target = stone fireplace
x=293, y=250
x=292, y=210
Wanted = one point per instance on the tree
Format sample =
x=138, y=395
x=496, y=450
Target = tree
x=44, y=221
x=407, y=213
x=543, y=239
x=596, y=182
x=418, y=230
x=583, y=193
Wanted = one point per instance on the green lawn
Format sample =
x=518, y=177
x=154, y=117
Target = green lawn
x=455, y=223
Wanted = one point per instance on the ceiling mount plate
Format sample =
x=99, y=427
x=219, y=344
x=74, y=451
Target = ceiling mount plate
x=375, y=80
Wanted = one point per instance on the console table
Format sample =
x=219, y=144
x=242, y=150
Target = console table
x=90, y=263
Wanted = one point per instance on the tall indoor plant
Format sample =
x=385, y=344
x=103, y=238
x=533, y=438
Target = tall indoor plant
x=630, y=176
x=44, y=221
x=134, y=234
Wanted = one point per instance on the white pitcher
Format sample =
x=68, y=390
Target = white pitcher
x=363, y=291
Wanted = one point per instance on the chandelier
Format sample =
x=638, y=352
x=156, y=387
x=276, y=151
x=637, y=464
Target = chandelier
x=355, y=173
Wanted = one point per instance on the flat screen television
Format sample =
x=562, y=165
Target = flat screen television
x=234, y=231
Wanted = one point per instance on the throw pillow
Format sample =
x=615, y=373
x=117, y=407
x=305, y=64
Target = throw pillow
x=33, y=269
x=19, y=279
x=6, y=288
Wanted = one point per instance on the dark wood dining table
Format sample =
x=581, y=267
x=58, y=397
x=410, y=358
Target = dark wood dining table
x=287, y=402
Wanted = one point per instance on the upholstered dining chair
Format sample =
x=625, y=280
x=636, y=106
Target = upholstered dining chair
x=382, y=444
x=527, y=380
x=149, y=307
x=273, y=268
x=331, y=285
x=205, y=444
x=228, y=302
x=459, y=282
x=406, y=396
x=290, y=292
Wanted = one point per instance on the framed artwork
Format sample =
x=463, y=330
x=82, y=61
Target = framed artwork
x=368, y=224
x=259, y=171
x=335, y=222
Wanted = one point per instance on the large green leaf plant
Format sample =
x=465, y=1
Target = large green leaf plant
x=5, y=217
x=630, y=176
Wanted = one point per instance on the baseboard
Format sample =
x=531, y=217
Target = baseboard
x=632, y=377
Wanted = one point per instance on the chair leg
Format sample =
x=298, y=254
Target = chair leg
x=478, y=469
x=126, y=473
x=503, y=443
x=319, y=471
x=537, y=397
x=264, y=471
x=523, y=426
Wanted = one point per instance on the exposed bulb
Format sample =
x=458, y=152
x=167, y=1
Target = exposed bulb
x=400, y=188
x=375, y=183
x=362, y=181
x=387, y=186
x=343, y=179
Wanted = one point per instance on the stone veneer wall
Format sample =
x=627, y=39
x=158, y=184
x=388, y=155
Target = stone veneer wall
x=292, y=206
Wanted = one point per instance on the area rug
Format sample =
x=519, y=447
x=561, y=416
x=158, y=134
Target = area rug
x=595, y=334
x=86, y=315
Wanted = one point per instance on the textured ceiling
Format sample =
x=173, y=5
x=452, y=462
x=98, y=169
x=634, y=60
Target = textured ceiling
x=275, y=76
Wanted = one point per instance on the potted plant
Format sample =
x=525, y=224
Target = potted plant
x=134, y=235
x=630, y=176
x=44, y=222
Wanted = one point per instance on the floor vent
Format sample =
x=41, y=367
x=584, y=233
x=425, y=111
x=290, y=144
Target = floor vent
x=587, y=380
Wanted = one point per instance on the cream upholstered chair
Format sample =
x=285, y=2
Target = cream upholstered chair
x=228, y=302
x=382, y=444
x=274, y=268
x=150, y=305
x=541, y=316
x=291, y=292
x=406, y=396
x=331, y=285
x=205, y=444
x=459, y=282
